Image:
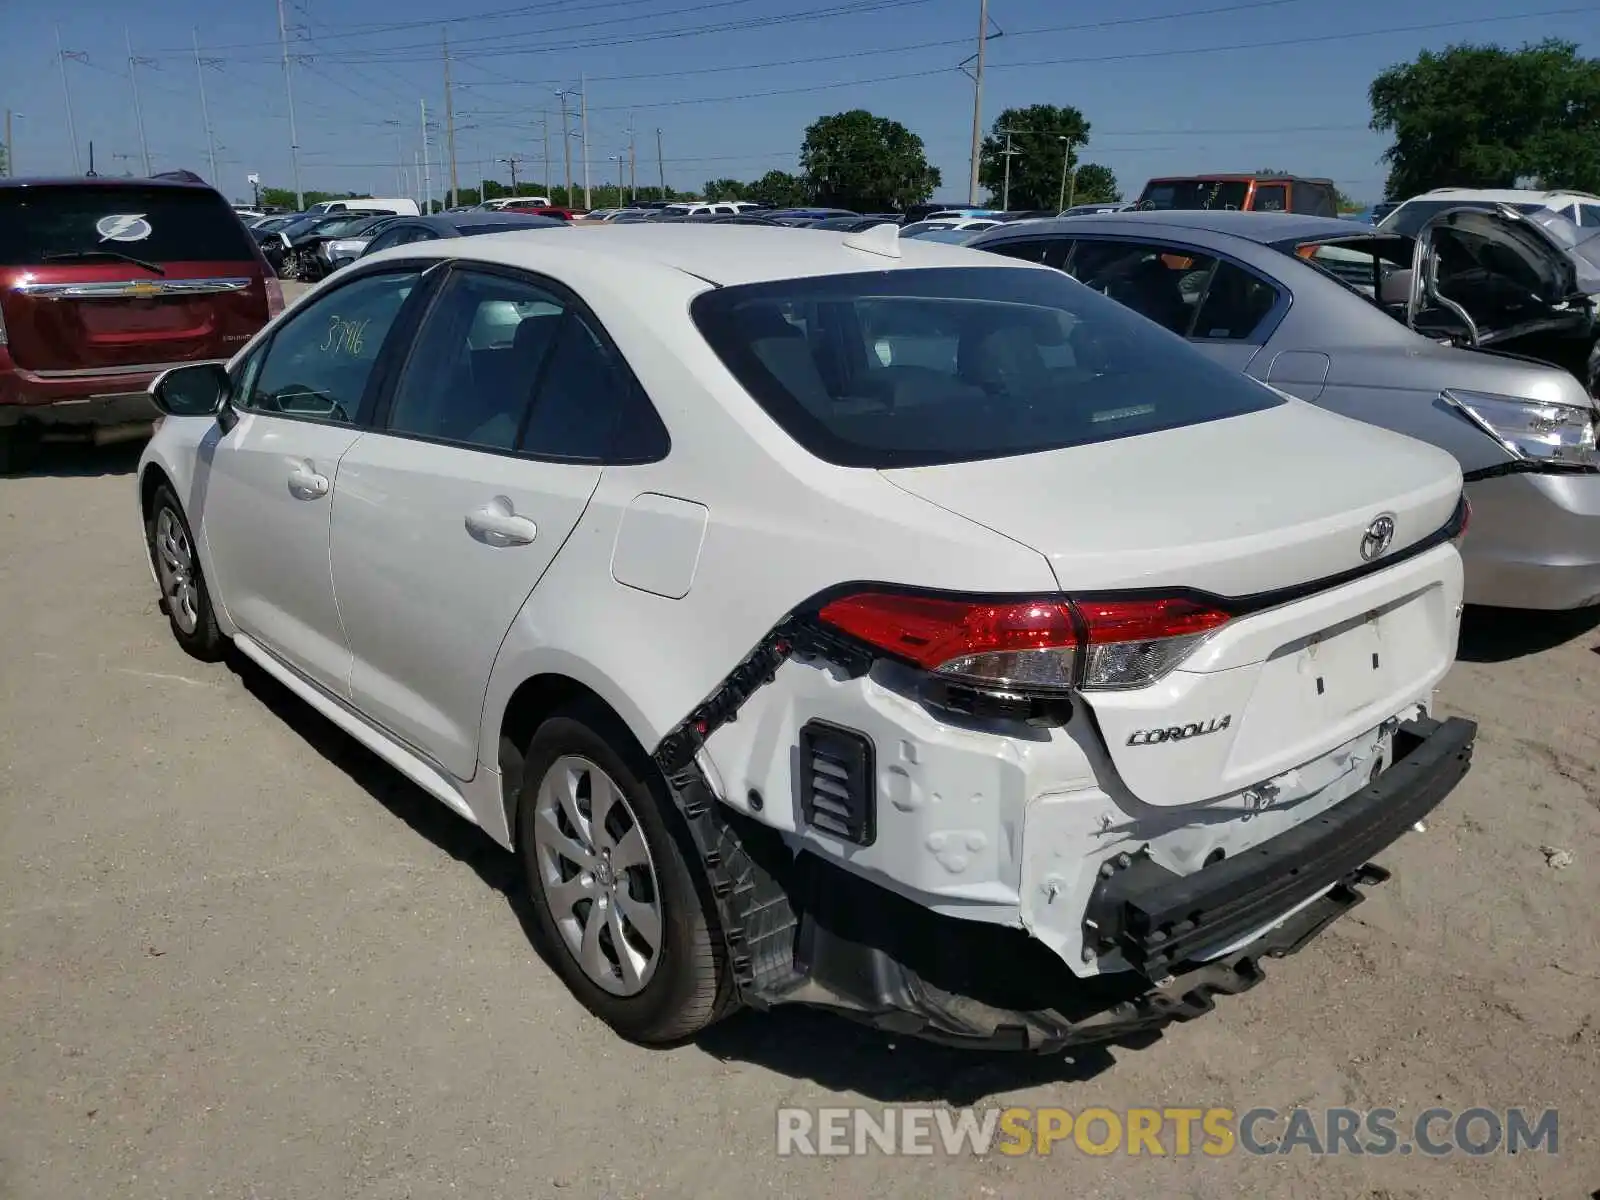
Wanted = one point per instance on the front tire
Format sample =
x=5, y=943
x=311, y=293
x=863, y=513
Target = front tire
x=621, y=905
x=184, y=596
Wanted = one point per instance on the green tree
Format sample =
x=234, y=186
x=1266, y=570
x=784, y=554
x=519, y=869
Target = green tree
x=779, y=189
x=1485, y=116
x=867, y=163
x=726, y=189
x=1041, y=136
x=1093, y=184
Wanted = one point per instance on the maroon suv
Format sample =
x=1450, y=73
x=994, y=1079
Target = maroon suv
x=103, y=284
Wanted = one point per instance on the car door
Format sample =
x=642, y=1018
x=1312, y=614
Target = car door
x=268, y=491
x=451, y=510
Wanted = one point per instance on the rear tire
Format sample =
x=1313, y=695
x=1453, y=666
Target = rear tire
x=185, y=598
x=621, y=905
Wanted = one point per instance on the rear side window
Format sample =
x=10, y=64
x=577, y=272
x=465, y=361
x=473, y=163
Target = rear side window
x=916, y=367
x=1271, y=197
x=39, y=224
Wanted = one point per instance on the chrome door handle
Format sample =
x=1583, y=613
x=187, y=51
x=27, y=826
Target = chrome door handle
x=496, y=524
x=306, y=484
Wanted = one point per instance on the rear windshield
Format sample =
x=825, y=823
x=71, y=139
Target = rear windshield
x=158, y=224
x=1194, y=194
x=952, y=364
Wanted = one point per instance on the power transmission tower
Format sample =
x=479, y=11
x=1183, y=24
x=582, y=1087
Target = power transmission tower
x=200, y=65
x=984, y=37
x=511, y=162
x=450, y=124
x=1008, y=153
x=288, y=91
x=133, y=80
x=66, y=93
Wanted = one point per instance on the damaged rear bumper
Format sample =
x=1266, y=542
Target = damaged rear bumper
x=799, y=929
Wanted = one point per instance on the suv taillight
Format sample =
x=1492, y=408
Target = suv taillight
x=274, y=296
x=1029, y=646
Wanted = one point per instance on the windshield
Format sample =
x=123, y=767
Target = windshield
x=158, y=224
x=1162, y=194
x=950, y=364
x=1411, y=216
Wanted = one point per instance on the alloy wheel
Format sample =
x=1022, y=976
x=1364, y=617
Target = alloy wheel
x=597, y=874
x=175, y=567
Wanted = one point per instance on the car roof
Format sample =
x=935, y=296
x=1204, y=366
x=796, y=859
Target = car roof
x=722, y=255
x=1240, y=177
x=103, y=181
x=1529, y=195
x=461, y=220
x=1263, y=227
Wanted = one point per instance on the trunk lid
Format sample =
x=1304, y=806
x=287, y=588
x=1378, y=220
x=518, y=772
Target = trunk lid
x=1500, y=269
x=1259, y=506
x=97, y=276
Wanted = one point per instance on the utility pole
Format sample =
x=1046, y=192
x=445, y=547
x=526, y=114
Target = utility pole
x=977, y=101
x=661, y=169
x=138, y=113
x=399, y=163
x=11, y=149
x=66, y=93
x=583, y=101
x=288, y=91
x=544, y=125
x=566, y=144
x=450, y=125
x=633, y=165
x=511, y=162
x=416, y=175
x=427, y=177
x=205, y=113
x=1066, y=154
x=1005, y=192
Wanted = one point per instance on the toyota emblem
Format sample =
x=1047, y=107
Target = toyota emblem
x=1377, y=538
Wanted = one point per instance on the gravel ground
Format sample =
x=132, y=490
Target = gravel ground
x=241, y=958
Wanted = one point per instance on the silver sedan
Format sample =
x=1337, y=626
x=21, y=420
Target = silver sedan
x=1473, y=335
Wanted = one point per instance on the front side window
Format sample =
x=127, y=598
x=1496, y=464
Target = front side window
x=319, y=363
x=935, y=365
x=1589, y=215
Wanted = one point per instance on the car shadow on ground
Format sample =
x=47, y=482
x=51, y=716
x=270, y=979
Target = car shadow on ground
x=798, y=1042
x=78, y=460
x=1493, y=635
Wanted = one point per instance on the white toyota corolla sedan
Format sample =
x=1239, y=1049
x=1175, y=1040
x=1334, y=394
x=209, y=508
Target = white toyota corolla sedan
x=830, y=619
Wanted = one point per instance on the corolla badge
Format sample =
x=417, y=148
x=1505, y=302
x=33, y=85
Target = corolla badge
x=1179, y=733
x=123, y=227
x=1378, y=537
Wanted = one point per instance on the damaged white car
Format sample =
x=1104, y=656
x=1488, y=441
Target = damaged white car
x=832, y=619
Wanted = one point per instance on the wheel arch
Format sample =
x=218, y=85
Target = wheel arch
x=540, y=695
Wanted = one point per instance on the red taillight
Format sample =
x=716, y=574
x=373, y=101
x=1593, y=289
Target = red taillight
x=274, y=297
x=1031, y=644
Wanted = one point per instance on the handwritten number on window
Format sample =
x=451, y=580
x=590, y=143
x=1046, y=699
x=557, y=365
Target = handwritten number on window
x=344, y=337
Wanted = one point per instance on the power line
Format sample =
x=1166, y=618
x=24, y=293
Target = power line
x=1088, y=59
x=391, y=55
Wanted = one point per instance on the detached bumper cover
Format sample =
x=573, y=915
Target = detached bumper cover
x=1158, y=920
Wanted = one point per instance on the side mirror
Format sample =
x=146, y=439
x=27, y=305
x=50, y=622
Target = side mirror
x=192, y=391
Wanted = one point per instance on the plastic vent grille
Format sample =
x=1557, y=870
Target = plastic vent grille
x=837, y=785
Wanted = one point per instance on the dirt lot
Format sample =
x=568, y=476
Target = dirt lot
x=240, y=958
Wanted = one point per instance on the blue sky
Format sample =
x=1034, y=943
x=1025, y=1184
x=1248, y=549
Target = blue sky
x=731, y=84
